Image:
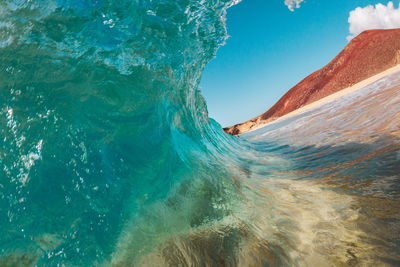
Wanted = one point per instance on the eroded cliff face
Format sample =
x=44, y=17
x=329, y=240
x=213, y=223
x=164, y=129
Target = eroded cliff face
x=368, y=54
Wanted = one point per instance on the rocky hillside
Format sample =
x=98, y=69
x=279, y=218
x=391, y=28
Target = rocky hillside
x=368, y=54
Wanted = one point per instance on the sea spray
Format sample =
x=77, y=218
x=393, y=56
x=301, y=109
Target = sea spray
x=101, y=118
x=108, y=156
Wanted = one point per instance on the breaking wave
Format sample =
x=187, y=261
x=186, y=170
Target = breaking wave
x=108, y=156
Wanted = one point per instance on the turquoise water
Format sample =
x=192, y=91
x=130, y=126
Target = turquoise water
x=108, y=157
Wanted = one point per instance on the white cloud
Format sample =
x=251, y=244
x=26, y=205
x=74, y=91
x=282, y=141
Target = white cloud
x=370, y=17
x=292, y=4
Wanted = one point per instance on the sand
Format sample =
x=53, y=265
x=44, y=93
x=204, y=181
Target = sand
x=332, y=97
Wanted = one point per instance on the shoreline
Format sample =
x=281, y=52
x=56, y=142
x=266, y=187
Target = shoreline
x=332, y=97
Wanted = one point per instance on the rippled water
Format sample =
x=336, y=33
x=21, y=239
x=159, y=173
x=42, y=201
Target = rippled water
x=347, y=155
x=108, y=156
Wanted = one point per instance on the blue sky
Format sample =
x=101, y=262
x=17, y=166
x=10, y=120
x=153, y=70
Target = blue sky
x=270, y=50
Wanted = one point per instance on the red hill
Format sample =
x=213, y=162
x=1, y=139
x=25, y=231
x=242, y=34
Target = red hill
x=368, y=54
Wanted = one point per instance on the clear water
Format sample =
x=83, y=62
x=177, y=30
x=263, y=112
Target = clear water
x=108, y=157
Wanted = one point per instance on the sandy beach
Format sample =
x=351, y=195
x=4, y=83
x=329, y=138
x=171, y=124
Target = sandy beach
x=334, y=96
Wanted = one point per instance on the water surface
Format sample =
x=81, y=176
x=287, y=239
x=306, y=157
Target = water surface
x=108, y=157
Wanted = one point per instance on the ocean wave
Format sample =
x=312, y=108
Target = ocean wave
x=109, y=157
